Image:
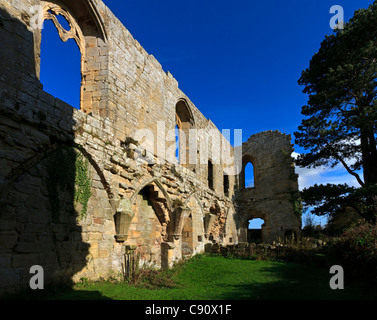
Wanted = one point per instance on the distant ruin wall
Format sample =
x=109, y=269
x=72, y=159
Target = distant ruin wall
x=274, y=196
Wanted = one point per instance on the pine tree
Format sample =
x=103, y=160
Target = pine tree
x=341, y=116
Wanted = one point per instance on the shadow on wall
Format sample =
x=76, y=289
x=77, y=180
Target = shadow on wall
x=39, y=209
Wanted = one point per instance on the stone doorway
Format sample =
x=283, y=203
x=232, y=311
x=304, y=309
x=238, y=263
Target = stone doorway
x=254, y=230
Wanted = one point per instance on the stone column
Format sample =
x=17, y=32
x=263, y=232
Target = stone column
x=167, y=254
x=180, y=215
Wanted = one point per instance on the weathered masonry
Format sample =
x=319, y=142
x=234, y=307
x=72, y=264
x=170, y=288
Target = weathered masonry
x=274, y=196
x=80, y=195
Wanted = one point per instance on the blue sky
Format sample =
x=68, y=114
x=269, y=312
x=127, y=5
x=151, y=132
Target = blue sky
x=238, y=61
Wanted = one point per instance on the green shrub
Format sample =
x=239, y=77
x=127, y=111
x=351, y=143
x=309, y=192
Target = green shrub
x=155, y=279
x=356, y=252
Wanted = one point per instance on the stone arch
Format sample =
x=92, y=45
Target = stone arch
x=255, y=214
x=51, y=11
x=183, y=110
x=54, y=236
x=29, y=163
x=247, y=159
x=92, y=161
x=158, y=184
x=160, y=202
x=87, y=29
x=86, y=12
x=195, y=220
x=195, y=195
x=147, y=231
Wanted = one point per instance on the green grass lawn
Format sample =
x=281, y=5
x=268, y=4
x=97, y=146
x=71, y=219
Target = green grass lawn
x=218, y=278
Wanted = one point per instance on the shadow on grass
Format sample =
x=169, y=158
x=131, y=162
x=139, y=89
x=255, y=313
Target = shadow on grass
x=217, y=279
x=57, y=293
x=290, y=281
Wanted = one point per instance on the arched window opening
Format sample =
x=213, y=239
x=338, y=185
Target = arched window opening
x=60, y=71
x=254, y=232
x=74, y=80
x=210, y=175
x=184, y=122
x=249, y=176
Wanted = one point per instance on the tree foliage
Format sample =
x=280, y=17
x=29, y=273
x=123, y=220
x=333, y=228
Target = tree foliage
x=341, y=116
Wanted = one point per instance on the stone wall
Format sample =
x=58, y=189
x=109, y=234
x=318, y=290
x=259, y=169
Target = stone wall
x=80, y=190
x=45, y=142
x=274, y=197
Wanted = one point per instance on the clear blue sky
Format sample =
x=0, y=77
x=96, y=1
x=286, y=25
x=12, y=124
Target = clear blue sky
x=238, y=61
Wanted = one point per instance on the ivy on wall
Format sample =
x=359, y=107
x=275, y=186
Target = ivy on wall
x=82, y=183
x=298, y=206
x=67, y=177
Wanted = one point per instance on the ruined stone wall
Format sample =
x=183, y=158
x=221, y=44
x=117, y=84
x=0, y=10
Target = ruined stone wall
x=80, y=192
x=70, y=179
x=274, y=197
x=143, y=95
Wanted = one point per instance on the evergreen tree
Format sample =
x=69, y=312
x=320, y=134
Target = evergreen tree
x=341, y=116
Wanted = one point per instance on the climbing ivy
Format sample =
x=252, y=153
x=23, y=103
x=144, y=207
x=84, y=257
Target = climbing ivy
x=299, y=207
x=67, y=171
x=83, y=183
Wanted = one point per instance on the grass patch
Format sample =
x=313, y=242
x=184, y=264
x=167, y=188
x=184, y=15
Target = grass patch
x=217, y=278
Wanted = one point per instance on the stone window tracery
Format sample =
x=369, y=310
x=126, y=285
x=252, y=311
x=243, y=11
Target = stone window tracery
x=87, y=30
x=51, y=12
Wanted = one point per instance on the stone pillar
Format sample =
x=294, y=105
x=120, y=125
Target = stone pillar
x=180, y=215
x=167, y=254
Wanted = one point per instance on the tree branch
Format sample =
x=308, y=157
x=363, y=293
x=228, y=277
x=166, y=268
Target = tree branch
x=349, y=170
